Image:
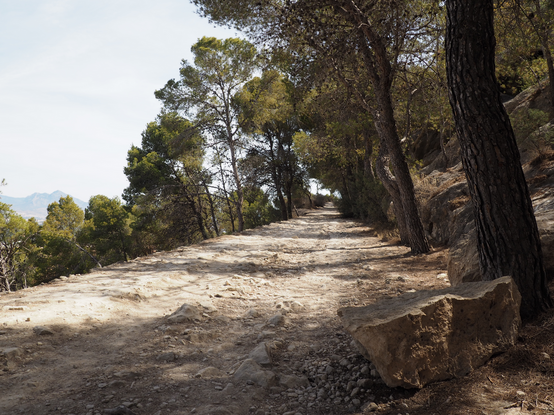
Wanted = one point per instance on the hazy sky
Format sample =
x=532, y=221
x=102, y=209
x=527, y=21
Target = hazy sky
x=77, y=82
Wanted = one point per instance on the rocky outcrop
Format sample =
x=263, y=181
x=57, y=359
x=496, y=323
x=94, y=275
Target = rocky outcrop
x=534, y=97
x=447, y=212
x=543, y=203
x=463, y=258
x=425, y=142
x=428, y=336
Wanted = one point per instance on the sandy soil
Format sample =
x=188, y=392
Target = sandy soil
x=109, y=346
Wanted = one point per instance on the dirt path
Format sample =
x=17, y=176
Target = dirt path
x=112, y=343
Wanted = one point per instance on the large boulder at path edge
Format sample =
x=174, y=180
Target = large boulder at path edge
x=428, y=336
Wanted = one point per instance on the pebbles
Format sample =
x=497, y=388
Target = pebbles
x=329, y=380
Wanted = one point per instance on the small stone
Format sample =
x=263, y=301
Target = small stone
x=229, y=389
x=166, y=357
x=208, y=308
x=261, y=355
x=186, y=312
x=293, y=382
x=252, y=313
x=209, y=372
x=296, y=306
x=42, y=331
x=117, y=384
x=119, y=410
x=364, y=383
x=370, y=407
x=250, y=371
x=11, y=352
x=277, y=320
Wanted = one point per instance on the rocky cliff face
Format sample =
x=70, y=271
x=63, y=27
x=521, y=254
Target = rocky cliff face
x=446, y=209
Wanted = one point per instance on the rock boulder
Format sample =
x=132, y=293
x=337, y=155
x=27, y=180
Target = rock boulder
x=250, y=371
x=428, y=336
x=261, y=354
x=186, y=312
x=463, y=259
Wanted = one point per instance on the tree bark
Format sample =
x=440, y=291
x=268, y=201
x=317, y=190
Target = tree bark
x=368, y=168
x=281, y=198
x=240, y=193
x=391, y=186
x=197, y=213
x=508, y=237
x=378, y=65
x=231, y=217
x=276, y=165
x=212, y=207
x=550, y=65
x=288, y=194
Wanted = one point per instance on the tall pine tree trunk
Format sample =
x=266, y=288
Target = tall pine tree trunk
x=240, y=193
x=212, y=207
x=508, y=238
x=390, y=185
x=378, y=65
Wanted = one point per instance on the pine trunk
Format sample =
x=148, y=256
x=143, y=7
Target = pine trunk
x=508, y=238
x=386, y=127
x=390, y=185
x=240, y=194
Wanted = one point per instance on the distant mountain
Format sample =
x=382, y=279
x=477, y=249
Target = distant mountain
x=35, y=206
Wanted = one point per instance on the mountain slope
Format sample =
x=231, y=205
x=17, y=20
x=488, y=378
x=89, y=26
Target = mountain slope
x=36, y=204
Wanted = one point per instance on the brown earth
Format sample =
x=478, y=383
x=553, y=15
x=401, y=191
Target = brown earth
x=111, y=343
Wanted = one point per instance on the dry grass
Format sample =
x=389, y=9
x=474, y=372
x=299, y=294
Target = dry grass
x=458, y=202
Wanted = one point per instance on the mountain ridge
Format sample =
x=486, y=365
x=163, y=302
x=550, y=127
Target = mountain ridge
x=36, y=204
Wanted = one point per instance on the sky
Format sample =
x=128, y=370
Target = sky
x=77, y=82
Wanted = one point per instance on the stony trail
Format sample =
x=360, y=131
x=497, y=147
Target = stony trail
x=107, y=342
